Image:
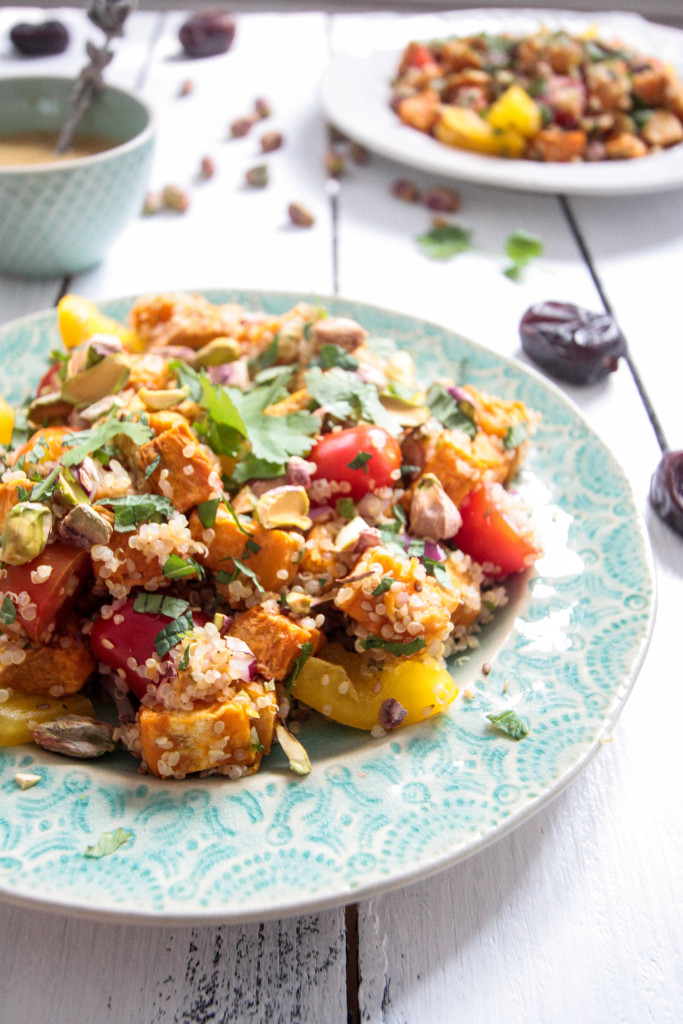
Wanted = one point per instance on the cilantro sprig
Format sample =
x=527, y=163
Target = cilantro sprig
x=444, y=241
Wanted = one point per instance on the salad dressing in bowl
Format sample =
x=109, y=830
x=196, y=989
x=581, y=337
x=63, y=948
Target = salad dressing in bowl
x=23, y=149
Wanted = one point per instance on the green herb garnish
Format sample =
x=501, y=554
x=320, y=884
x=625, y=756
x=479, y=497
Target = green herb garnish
x=515, y=435
x=393, y=647
x=155, y=604
x=89, y=442
x=510, y=723
x=207, y=512
x=173, y=633
x=8, y=611
x=134, y=509
x=452, y=413
x=177, y=568
x=109, y=842
x=360, y=461
x=152, y=466
x=445, y=241
x=344, y=397
x=383, y=585
x=521, y=249
x=305, y=653
x=346, y=508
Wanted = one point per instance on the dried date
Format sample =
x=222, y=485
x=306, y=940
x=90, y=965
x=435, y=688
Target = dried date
x=42, y=40
x=666, y=490
x=207, y=33
x=572, y=343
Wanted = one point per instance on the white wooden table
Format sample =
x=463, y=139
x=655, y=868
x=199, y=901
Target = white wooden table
x=576, y=915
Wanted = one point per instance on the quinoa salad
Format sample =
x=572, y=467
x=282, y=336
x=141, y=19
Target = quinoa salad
x=551, y=96
x=218, y=522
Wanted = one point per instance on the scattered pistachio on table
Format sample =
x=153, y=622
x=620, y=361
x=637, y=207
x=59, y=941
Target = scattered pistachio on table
x=262, y=108
x=186, y=87
x=300, y=216
x=175, y=198
x=241, y=126
x=359, y=153
x=441, y=200
x=335, y=164
x=207, y=168
x=153, y=204
x=257, y=177
x=405, y=189
x=270, y=142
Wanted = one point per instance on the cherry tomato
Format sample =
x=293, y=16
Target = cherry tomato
x=491, y=536
x=48, y=438
x=364, y=457
x=128, y=634
x=420, y=56
x=55, y=595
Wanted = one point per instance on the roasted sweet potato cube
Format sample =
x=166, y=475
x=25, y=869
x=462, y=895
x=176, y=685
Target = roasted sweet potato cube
x=271, y=554
x=274, y=640
x=460, y=463
x=187, y=473
x=414, y=607
x=211, y=735
x=420, y=111
x=9, y=497
x=60, y=667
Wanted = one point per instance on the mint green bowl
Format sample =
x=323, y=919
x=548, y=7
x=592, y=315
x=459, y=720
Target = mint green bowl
x=61, y=217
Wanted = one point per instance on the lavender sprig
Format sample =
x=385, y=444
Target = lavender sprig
x=110, y=16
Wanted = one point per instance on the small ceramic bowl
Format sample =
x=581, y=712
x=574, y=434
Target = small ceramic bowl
x=60, y=217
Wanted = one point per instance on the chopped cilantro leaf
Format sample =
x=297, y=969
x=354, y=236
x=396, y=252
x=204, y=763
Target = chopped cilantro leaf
x=182, y=664
x=134, y=509
x=392, y=647
x=383, y=585
x=335, y=355
x=8, y=611
x=452, y=413
x=302, y=658
x=445, y=241
x=510, y=723
x=346, y=508
x=227, y=577
x=344, y=397
x=152, y=466
x=207, y=512
x=515, y=435
x=439, y=571
x=177, y=568
x=173, y=633
x=108, y=843
x=360, y=461
x=159, y=604
x=264, y=359
x=521, y=249
x=89, y=442
x=44, y=488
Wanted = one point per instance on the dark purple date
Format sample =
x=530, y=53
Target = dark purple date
x=666, y=490
x=45, y=39
x=207, y=33
x=571, y=343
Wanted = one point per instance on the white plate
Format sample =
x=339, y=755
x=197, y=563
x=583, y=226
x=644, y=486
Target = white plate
x=356, y=90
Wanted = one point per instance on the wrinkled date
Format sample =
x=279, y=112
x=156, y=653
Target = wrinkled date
x=207, y=33
x=571, y=343
x=42, y=40
x=666, y=490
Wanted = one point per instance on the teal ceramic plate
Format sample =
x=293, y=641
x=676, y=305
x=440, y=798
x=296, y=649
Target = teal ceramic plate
x=374, y=814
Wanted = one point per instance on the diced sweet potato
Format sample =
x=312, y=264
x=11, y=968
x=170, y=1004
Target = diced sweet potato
x=125, y=567
x=209, y=737
x=319, y=557
x=651, y=85
x=663, y=129
x=556, y=145
x=186, y=472
x=460, y=464
x=275, y=561
x=468, y=590
x=60, y=667
x=414, y=600
x=625, y=146
x=420, y=111
x=274, y=640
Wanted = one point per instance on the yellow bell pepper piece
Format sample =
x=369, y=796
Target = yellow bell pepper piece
x=6, y=421
x=420, y=684
x=465, y=129
x=516, y=111
x=79, y=318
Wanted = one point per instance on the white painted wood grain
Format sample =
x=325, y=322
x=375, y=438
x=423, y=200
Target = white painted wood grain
x=82, y=972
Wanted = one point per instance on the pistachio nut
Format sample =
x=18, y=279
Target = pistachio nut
x=83, y=527
x=68, y=491
x=432, y=513
x=282, y=507
x=26, y=532
x=350, y=532
x=217, y=352
x=298, y=602
x=166, y=398
x=48, y=409
x=104, y=378
x=408, y=413
x=294, y=751
x=75, y=736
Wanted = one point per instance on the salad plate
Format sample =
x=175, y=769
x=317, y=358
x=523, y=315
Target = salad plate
x=356, y=91
x=374, y=813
